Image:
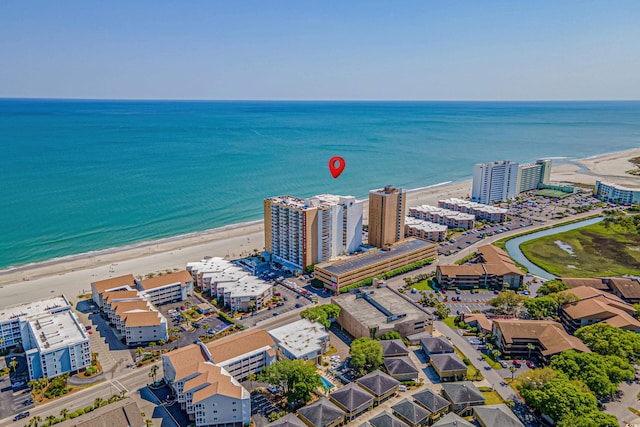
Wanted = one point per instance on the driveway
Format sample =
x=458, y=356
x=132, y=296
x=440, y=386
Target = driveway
x=629, y=398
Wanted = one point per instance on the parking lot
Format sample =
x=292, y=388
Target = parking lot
x=293, y=301
x=261, y=406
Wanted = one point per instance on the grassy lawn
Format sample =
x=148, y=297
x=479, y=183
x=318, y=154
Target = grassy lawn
x=451, y=322
x=425, y=285
x=597, y=251
x=491, y=362
x=473, y=374
x=492, y=397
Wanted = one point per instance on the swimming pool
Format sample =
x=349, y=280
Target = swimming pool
x=326, y=383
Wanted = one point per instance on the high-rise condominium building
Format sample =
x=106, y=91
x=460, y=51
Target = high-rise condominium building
x=387, y=209
x=494, y=181
x=533, y=175
x=302, y=232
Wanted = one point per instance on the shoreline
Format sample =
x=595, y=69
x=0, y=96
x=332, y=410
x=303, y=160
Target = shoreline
x=235, y=240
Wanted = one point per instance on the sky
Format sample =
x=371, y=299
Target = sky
x=321, y=50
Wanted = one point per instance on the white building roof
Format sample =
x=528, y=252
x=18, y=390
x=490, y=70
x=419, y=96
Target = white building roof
x=444, y=212
x=232, y=278
x=424, y=225
x=53, y=331
x=321, y=200
x=301, y=337
x=34, y=308
x=474, y=205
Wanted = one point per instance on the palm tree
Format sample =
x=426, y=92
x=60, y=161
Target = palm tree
x=148, y=422
x=513, y=370
x=489, y=347
x=251, y=377
x=63, y=413
x=162, y=343
x=122, y=393
x=153, y=373
x=139, y=352
x=152, y=345
x=530, y=347
x=13, y=364
x=35, y=420
x=50, y=419
x=496, y=353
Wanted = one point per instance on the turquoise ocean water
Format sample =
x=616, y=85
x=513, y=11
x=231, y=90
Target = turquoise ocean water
x=78, y=176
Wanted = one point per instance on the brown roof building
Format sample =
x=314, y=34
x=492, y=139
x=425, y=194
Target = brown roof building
x=244, y=353
x=126, y=282
x=626, y=288
x=548, y=338
x=595, y=306
x=494, y=269
x=124, y=413
x=592, y=282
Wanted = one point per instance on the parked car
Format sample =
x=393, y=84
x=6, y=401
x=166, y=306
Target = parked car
x=503, y=364
x=21, y=415
x=516, y=363
x=496, y=291
x=530, y=364
x=458, y=291
x=276, y=313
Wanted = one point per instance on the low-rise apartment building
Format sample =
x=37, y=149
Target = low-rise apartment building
x=120, y=283
x=244, y=353
x=616, y=193
x=493, y=269
x=547, y=337
x=481, y=211
x=230, y=284
x=301, y=340
x=450, y=218
x=172, y=287
x=595, y=306
x=373, y=312
x=206, y=392
x=135, y=318
x=53, y=339
x=337, y=274
x=424, y=230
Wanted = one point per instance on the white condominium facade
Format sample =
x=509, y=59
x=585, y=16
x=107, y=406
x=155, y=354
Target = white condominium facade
x=494, y=181
x=424, y=230
x=480, y=211
x=53, y=339
x=533, y=175
x=167, y=288
x=615, y=193
x=234, y=286
x=302, y=232
x=450, y=218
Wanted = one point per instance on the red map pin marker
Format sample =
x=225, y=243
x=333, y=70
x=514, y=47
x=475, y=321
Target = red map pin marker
x=336, y=166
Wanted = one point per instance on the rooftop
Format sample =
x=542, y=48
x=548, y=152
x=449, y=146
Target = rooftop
x=351, y=397
x=116, y=295
x=321, y=412
x=581, y=281
x=34, y=308
x=361, y=261
x=474, y=205
x=385, y=419
x=319, y=201
x=115, y=282
x=289, y=420
x=210, y=380
x=124, y=413
x=551, y=335
x=410, y=411
x=56, y=330
x=431, y=400
x=497, y=415
x=443, y=212
x=447, y=362
x=141, y=318
x=627, y=287
x=181, y=277
x=421, y=224
x=392, y=348
x=378, y=383
x=453, y=420
x=400, y=366
x=364, y=310
x=237, y=345
x=437, y=345
x=462, y=392
x=185, y=360
x=301, y=337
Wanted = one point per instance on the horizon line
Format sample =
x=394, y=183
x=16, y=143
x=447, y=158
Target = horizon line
x=311, y=100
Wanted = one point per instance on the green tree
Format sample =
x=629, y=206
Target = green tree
x=560, y=398
x=63, y=413
x=605, y=339
x=97, y=402
x=49, y=419
x=152, y=345
x=366, y=355
x=321, y=314
x=442, y=311
x=592, y=419
x=13, y=365
x=552, y=287
x=35, y=421
x=275, y=415
x=298, y=378
x=507, y=302
x=139, y=352
x=161, y=343
x=513, y=370
x=153, y=372
x=391, y=335
x=530, y=347
x=148, y=422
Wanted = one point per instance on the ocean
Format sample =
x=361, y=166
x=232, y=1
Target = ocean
x=79, y=175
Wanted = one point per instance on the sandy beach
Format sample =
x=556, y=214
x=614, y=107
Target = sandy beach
x=73, y=275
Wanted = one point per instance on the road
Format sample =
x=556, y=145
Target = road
x=130, y=381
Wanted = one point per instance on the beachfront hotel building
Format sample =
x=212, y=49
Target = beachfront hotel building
x=615, y=193
x=53, y=339
x=450, y=218
x=230, y=284
x=533, y=175
x=172, y=287
x=302, y=232
x=387, y=210
x=494, y=181
x=481, y=211
x=424, y=230
x=206, y=392
x=337, y=274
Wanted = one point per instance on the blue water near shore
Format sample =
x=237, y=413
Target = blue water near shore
x=78, y=176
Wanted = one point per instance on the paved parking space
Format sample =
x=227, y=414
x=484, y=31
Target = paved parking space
x=468, y=307
x=294, y=301
x=261, y=405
